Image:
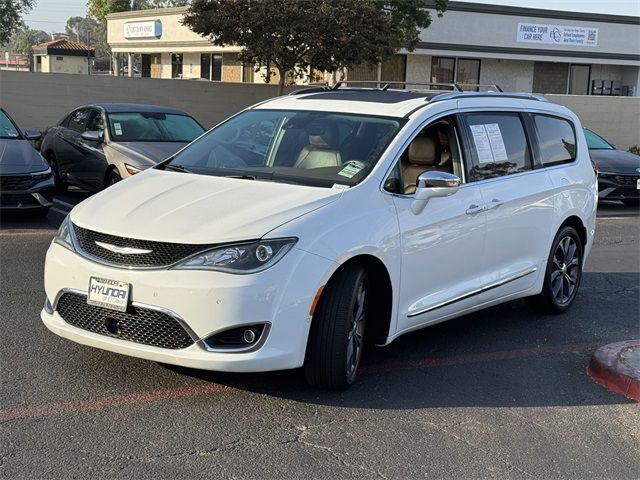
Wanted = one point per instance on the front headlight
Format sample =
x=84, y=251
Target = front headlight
x=63, y=237
x=241, y=257
x=41, y=174
x=131, y=169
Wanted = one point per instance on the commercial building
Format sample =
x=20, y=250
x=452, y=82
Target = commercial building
x=62, y=56
x=519, y=49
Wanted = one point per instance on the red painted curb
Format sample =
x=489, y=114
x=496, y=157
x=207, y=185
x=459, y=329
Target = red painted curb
x=607, y=369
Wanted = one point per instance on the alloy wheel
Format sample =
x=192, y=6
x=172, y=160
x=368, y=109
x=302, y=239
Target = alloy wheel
x=565, y=270
x=356, y=332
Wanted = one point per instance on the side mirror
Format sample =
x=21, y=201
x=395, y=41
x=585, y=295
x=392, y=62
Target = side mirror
x=32, y=134
x=432, y=185
x=94, y=136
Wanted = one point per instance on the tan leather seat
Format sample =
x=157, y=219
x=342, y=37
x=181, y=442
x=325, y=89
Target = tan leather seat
x=422, y=156
x=322, y=150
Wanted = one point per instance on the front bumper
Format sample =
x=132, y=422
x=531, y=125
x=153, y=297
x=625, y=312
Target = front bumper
x=207, y=302
x=618, y=187
x=22, y=192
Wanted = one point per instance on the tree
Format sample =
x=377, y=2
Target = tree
x=101, y=8
x=11, y=12
x=296, y=35
x=89, y=31
x=24, y=39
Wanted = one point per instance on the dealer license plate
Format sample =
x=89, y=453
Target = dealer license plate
x=108, y=293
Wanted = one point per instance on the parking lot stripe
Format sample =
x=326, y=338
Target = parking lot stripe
x=31, y=233
x=69, y=205
x=63, y=212
x=111, y=401
x=181, y=392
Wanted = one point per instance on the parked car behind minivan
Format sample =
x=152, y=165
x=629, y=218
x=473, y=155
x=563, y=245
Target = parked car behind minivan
x=98, y=145
x=296, y=229
x=26, y=181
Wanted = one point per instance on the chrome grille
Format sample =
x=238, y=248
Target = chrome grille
x=162, y=253
x=137, y=324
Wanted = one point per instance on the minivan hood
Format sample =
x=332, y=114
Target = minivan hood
x=188, y=208
x=19, y=157
x=149, y=151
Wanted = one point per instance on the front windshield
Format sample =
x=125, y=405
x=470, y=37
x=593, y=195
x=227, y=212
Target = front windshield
x=153, y=127
x=308, y=148
x=594, y=142
x=7, y=129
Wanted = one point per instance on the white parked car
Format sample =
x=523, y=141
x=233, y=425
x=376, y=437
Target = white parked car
x=295, y=230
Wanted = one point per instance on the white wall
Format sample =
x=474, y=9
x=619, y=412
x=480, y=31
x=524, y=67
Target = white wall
x=510, y=75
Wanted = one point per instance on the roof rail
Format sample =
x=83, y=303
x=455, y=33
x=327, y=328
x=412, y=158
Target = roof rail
x=385, y=84
x=454, y=95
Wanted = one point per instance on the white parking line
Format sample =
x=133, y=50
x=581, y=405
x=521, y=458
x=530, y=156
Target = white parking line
x=63, y=212
x=55, y=200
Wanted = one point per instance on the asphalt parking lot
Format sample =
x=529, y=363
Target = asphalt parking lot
x=499, y=393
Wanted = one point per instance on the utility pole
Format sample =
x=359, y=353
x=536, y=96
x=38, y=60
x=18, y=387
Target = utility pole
x=88, y=52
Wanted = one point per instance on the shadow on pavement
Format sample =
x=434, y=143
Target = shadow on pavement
x=506, y=355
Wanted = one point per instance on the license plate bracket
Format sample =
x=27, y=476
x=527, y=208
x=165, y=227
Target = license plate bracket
x=106, y=293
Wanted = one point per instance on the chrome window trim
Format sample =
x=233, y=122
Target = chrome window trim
x=472, y=293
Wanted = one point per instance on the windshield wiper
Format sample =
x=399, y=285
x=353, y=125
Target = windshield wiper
x=177, y=168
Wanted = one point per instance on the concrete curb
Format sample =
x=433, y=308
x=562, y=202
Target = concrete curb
x=615, y=366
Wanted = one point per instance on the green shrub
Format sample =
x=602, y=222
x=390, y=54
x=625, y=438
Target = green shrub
x=635, y=149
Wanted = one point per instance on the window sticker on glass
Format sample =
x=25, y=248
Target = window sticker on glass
x=117, y=128
x=489, y=143
x=483, y=147
x=496, y=141
x=351, y=169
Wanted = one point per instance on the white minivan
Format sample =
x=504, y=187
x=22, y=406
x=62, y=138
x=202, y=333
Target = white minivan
x=299, y=228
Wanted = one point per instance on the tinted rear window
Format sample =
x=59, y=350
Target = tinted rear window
x=556, y=140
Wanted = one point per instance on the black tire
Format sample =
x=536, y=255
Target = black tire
x=60, y=186
x=631, y=202
x=113, y=177
x=561, y=280
x=336, y=337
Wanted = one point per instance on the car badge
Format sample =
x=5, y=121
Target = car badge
x=122, y=250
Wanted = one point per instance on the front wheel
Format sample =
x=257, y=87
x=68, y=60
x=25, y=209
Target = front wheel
x=112, y=178
x=562, y=275
x=60, y=186
x=336, y=337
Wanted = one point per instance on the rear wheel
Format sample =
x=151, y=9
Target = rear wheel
x=60, y=186
x=336, y=337
x=563, y=273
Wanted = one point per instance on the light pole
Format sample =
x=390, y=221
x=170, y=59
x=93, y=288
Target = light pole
x=88, y=52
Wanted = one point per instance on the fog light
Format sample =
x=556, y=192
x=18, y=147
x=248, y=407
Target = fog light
x=264, y=252
x=238, y=338
x=249, y=336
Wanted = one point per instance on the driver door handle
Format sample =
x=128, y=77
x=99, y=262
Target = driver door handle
x=474, y=209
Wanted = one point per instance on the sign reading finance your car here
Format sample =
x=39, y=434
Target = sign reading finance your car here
x=557, y=34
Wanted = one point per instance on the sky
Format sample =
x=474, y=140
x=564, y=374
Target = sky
x=51, y=15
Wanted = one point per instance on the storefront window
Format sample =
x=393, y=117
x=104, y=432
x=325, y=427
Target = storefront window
x=443, y=70
x=205, y=66
x=211, y=66
x=455, y=70
x=176, y=65
x=216, y=67
x=468, y=71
